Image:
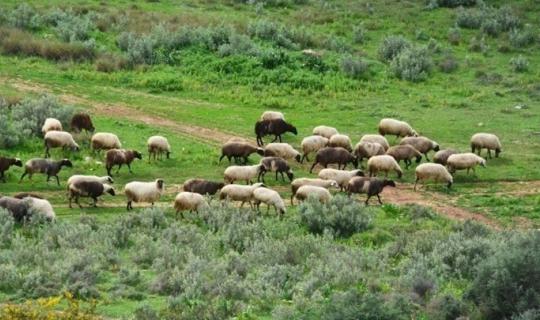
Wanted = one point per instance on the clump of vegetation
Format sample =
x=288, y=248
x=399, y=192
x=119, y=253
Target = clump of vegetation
x=356, y=68
x=519, y=64
x=454, y=36
x=24, y=17
x=455, y=3
x=391, y=47
x=448, y=64
x=341, y=217
x=520, y=38
x=412, y=64
x=360, y=34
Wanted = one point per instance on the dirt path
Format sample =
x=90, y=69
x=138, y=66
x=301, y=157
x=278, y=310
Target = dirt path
x=207, y=135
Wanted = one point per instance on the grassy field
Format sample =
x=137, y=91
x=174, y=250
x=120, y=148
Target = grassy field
x=219, y=65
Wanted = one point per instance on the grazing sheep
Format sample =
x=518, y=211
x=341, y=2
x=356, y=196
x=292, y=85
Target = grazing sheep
x=282, y=150
x=236, y=192
x=238, y=150
x=157, y=146
x=329, y=155
x=202, y=186
x=297, y=183
x=367, y=150
x=277, y=165
x=49, y=167
x=88, y=189
x=119, y=157
x=488, y=141
x=340, y=140
x=312, y=144
x=246, y=173
x=376, y=138
x=189, y=201
x=143, y=192
x=276, y=127
x=79, y=177
x=396, y=127
x=304, y=192
x=105, y=141
x=370, y=186
x=422, y=144
x=342, y=177
x=59, y=139
x=325, y=131
x=270, y=198
x=406, y=153
x=441, y=156
x=384, y=163
x=5, y=163
x=462, y=161
x=81, y=121
x=51, y=124
x=433, y=172
x=22, y=209
x=272, y=115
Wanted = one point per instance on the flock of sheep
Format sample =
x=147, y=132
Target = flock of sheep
x=328, y=145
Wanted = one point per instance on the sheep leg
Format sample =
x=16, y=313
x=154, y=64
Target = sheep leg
x=242, y=204
x=77, y=201
x=489, y=153
x=275, y=138
x=268, y=209
x=129, y=167
x=109, y=171
x=378, y=197
x=128, y=207
x=282, y=177
x=415, y=183
x=427, y=158
x=47, y=154
x=95, y=202
x=118, y=170
x=367, y=200
x=2, y=176
x=57, y=180
x=313, y=166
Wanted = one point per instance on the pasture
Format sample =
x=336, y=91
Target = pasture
x=199, y=72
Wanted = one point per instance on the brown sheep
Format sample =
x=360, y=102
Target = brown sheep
x=119, y=157
x=406, y=153
x=422, y=144
x=5, y=163
x=239, y=150
x=328, y=155
x=81, y=121
x=441, y=156
x=202, y=186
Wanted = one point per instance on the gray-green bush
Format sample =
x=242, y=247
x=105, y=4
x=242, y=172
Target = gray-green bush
x=519, y=64
x=356, y=68
x=392, y=46
x=412, y=64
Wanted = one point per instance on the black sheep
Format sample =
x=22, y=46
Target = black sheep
x=276, y=164
x=328, y=155
x=276, y=127
x=89, y=189
x=370, y=186
x=238, y=150
x=81, y=121
x=49, y=167
x=202, y=186
x=5, y=163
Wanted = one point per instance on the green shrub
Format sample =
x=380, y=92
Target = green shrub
x=470, y=18
x=507, y=19
x=506, y=283
x=412, y=64
x=341, y=217
x=520, y=38
x=24, y=17
x=271, y=58
x=75, y=28
x=446, y=307
x=456, y=3
x=356, y=68
x=532, y=314
x=454, y=36
x=478, y=44
x=491, y=27
x=519, y=64
x=360, y=34
x=391, y=47
x=238, y=45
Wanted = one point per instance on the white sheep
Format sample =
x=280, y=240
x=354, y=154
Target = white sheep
x=297, y=183
x=312, y=144
x=270, y=198
x=342, y=177
x=59, y=139
x=137, y=191
x=368, y=149
x=79, y=177
x=396, y=127
x=51, y=124
x=105, y=141
x=325, y=131
x=432, y=172
x=384, y=163
x=189, y=201
x=157, y=145
x=320, y=193
x=340, y=140
x=282, y=150
x=234, y=192
x=272, y=115
x=462, y=161
x=488, y=141
x=376, y=138
x=246, y=173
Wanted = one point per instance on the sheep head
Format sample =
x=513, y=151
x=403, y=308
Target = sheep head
x=160, y=183
x=17, y=162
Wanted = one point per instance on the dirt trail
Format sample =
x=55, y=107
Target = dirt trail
x=401, y=195
x=207, y=135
